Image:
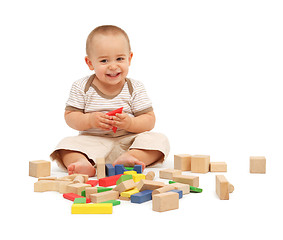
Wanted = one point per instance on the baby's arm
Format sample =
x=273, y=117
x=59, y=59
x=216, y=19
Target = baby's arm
x=83, y=121
x=139, y=124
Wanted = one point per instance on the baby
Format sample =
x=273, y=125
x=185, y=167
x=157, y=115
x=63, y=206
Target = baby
x=109, y=55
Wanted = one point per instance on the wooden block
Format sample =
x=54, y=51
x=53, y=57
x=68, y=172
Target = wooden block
x=47, y=178
x=257, y=164
x=109, y=181
x=165, y=201
x=77, y=188
x=138, y=177
x=129, y=193
x=169, y=173
x=185, y=188
x=125, y=198
x=191, y=180
x=124, y=178
x=102, y=208
x=138, y=169
x=223, y=187
x=163, y=189
x=100, y=168
x=90, y=190
x=141, y=197
x=149, y=185
x=73, y=176
x=218, y=167
x=63, y=186
x=182, y=162
x=130, y=172
x=104, y=196
x=46, y=185
x=125, y=185
x=200, y=163
x=109, y=170
x=39, y=168
x=150, y=175
x=79, y=179
x=180, y=192
x=73, y=196
x=93, y=183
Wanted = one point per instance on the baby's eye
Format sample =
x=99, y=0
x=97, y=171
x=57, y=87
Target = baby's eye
x=120, y=59
x=104, y=61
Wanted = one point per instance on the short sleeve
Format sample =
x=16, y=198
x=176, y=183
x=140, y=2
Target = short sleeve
x=140, y=101
x=76, y=101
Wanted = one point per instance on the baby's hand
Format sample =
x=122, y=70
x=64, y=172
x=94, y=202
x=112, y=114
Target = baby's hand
x=122, y=121
x=101, y=121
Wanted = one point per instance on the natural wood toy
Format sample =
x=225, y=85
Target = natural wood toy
x=257, y=164
x=149, y=185
x=165, y=201
x=113, y=113
x=191, y=180
x=182, y=162
x=200, y=163
x=39, y=168
x=169, y=173
x=218, y=167
x=100, y=168
x=223, y=187
x=150, y=175
x=104, y=196
x=125, y=186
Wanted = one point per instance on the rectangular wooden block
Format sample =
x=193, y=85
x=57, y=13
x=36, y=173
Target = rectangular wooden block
x=101, y=208
x=191, y=180
x=77, y=188
x=109, y=181
x=124, y=186
x=185, y=188
x=163, y=189
x=129, y=193
x=182, y=162
x=100, y=168
x=149, y=185
x=104, y=196
x=46, y=185
x=137, y=177
x=257, y=164
x=39, y=168
x=73, y=196
x=222, y=187
x=169, y=173
x=141, y=197
x=165, y=201
x=90, y=190
x=200, y=163
x=218, y=167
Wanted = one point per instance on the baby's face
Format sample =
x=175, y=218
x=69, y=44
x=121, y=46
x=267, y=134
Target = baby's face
x=110, y=58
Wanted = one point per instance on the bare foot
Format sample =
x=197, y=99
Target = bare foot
x=82, y=168
x=128, y=160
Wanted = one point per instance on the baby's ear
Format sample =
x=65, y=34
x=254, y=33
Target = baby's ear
x=130, y=57
x=89, y=63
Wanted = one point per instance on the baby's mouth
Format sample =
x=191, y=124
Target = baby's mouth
x=113, y=74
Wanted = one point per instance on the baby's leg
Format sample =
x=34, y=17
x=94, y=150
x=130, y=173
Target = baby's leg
x=139, y=157
x=77, y=162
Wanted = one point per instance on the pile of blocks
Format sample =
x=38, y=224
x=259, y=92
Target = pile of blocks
x=129, y=184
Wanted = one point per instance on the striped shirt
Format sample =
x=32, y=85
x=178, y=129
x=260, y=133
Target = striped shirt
x=86, y=97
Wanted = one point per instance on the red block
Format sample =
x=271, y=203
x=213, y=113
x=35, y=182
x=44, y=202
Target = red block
x=72, y=196
x=93, y=183
x=113, y=113
x=109, y=181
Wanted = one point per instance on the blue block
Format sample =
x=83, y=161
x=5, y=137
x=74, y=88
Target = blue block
x=142, y=197
x=110, y=170
x=178, y=191
x=119, y=169
x=138, y=168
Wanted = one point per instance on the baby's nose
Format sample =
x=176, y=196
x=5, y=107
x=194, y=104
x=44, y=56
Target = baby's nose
x=113, y=66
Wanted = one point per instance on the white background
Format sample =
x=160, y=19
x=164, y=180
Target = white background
x=213, y=70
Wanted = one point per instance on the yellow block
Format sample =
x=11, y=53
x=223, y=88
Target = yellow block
x=129, y=192
x=130, y=172
x=92, y=208
x=138, y=177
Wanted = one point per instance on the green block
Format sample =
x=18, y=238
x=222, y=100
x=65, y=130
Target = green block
x=129, y=168
x=192, y=189
x=83, y=193
x=103, y=189
x=124, y=178
x=114, y=202
x=80, y=200
x=195, y=189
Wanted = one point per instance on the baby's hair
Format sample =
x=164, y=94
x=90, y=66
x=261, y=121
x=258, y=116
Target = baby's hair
x=105, y=29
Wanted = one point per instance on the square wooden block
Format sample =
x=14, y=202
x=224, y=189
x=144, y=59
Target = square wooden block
x=182, y=162
x=169, y=173
x=39, y=168
x=257, y=165
x=200, y=163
